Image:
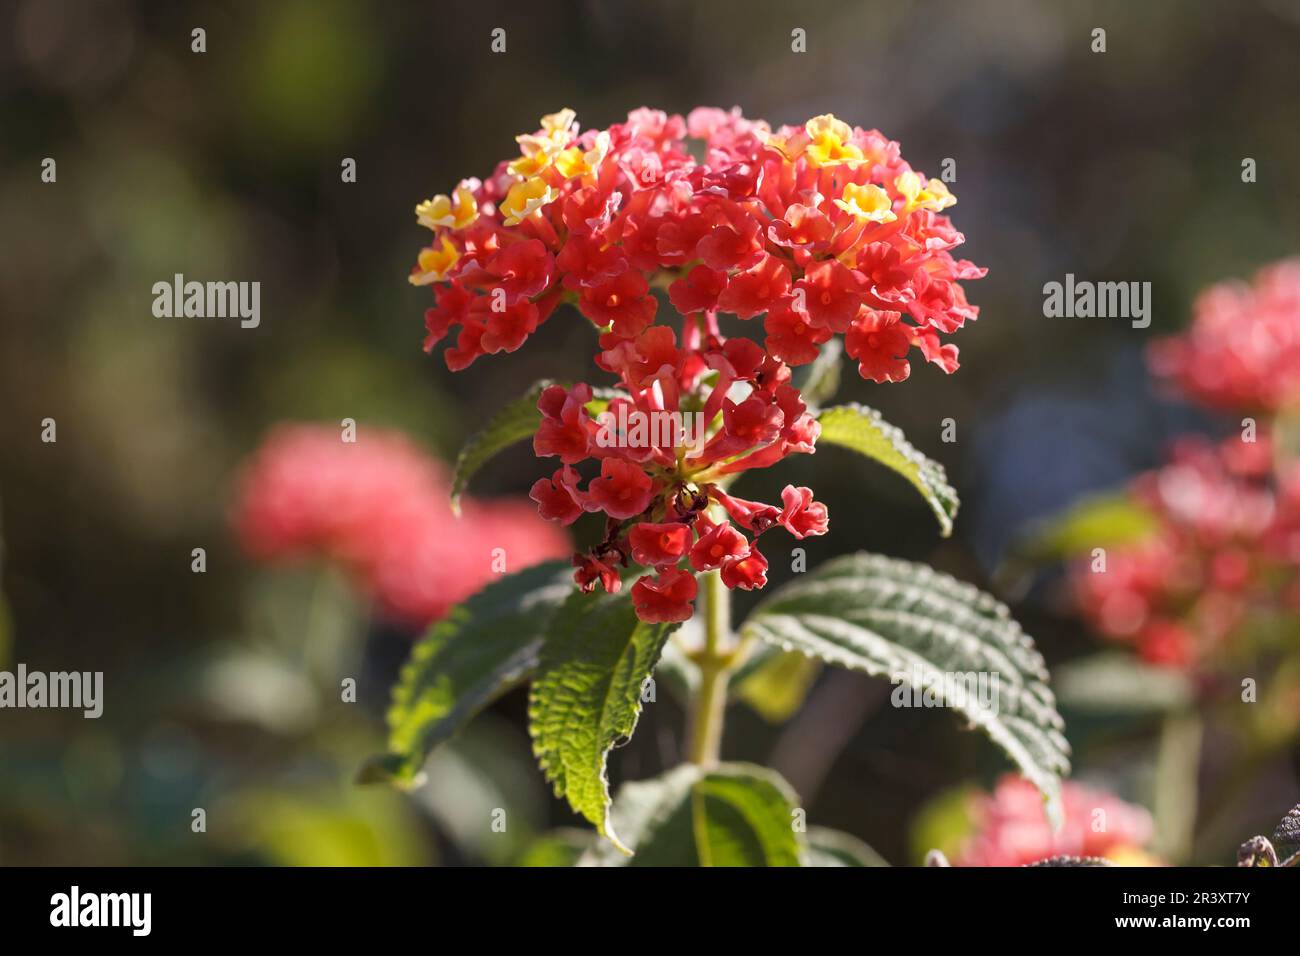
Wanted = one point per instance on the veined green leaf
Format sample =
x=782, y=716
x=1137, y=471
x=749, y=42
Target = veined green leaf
x=911, y=624
x=587, y=696
x=482, y=648
x=733, y=815
x=861, y=429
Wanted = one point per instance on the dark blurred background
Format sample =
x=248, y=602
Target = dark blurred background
x=221, y=690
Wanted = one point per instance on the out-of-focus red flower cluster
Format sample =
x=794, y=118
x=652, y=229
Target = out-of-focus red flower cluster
x=1242, y=351
x=1227, y=537
x=1226, y=541
x=379, y=507
x=823, y=229
x=1012, y=829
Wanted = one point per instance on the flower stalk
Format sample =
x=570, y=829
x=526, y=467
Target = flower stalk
x=715, y=661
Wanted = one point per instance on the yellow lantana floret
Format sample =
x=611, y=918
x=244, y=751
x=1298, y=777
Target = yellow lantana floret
x=828, y=125
x=532, y=163
x=525, y=198
x=541, y=149
x=442, y=211
x=560, y=122
x=933, y=195
x=829, y=142
x=574, y=162
x=435, y=264
x=867, y=203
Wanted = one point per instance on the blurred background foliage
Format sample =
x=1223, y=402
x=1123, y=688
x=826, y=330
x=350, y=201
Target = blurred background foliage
x=222, y=688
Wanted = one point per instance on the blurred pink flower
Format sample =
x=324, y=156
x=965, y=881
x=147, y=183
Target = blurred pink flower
x=1227, y=540
x=379, y=508
x=1242, y=351
x=1012, y=828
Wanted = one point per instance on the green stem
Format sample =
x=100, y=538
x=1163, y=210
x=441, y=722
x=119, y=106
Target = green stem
x=715, y=663
x=1178, y=760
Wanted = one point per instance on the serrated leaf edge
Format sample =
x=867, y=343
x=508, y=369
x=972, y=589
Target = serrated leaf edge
x=931, y=479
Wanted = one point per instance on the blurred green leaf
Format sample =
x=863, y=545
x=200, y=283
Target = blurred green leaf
x=896, y=619
x=563, y=847
x=943, y=823
x=1119, y=683
x=734, y=815
x=828, y=847
x=352, y=827
x=862, y=430
x=587, y=696
x=483, y=791
x=1097, y=522
x=482, y=648
x=261, y=689
x=777, y=687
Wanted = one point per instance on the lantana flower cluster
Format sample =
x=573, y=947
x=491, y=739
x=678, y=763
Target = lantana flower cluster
x=379, y=509
x=821, y=230
x=1242, y=351
x=1012, y=830
x=1226, y=543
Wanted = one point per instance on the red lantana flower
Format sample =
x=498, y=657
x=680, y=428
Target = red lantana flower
x=666, y=598
x=1011, y=828
x=820, y=229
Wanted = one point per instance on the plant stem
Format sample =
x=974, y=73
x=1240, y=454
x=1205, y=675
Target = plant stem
x=715, y=663
x=1178, y=761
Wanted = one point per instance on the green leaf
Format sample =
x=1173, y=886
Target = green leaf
x=1098, y=522
x=907, y=622
x=828, y=847
x=744, y=819
x=587, y=696
x=562, y=847
x=482, y=648
x=819, y=380
x=861, y=429
x=1118, y=683
x=514, y=423
x=733, y=815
